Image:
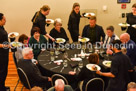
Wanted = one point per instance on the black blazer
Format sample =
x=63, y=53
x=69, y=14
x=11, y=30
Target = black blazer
x=33, y=73
x=99, y=32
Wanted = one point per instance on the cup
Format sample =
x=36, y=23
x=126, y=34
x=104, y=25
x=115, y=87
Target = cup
x=65, y=63
x=80, y=64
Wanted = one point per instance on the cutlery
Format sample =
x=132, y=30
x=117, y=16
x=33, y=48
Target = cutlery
x=54, y=67
x=62, y=69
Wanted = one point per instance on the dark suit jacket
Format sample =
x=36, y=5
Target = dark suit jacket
x=33, y=73
x=99, y=32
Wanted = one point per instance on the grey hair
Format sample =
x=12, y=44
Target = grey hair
x=58, y=20
x=58, y=81
x=26, y=51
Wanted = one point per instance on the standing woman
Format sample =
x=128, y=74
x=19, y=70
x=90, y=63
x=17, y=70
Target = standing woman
x=39, y=20
x=4, y=53
x=131, y=19
x=73, y=23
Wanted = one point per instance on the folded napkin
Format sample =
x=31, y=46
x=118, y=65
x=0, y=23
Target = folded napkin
x=85, y=54
x=58, y=61
x=76, y=59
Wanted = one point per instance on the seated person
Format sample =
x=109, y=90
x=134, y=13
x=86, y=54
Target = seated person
x=24, y=40
x=35, y=88
x=60, y=86
x=85, y=74
x=32, y=71
x=130, y=46
x=110, y=36
x=37, y=42
x=93, y=31
x=58, y=31
x=131, y=86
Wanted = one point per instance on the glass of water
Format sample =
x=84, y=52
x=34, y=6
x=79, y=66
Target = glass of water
x=65, y=63
x=80, y=64
x=52, y=58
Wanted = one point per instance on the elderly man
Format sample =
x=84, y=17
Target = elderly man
x=32, y=71
x=130, y=46
x=120, y=68
x=93, y=31
x=60, y=86
x=131, y=86
x=110, y=36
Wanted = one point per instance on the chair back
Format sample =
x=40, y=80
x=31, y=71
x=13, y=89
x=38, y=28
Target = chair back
x=95, y=84
x=23, y=78
x=15, y=60
x=58, y=76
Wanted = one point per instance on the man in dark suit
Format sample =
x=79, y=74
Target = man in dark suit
x=93, y=31
x=130, y=46
x=32, y=71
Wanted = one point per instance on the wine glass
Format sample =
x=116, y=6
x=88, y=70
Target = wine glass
x=80, y=64
x=52, y=52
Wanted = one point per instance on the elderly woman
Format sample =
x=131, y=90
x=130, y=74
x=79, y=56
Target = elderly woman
x=37, y=41
x=58, y=31
x=85, y=74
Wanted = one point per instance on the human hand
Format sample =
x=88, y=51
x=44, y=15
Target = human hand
x=72, y=72
x=109, y=51
x=49, y=79
x=98, y=72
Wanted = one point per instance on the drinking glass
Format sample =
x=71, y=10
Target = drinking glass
x=80, y=64
x=65, y=63
x=52, y=52
x=52, y=58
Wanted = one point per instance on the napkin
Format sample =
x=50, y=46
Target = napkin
x=58, y=61
x=76, y=59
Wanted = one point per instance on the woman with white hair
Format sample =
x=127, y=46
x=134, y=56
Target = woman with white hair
x=58, y=31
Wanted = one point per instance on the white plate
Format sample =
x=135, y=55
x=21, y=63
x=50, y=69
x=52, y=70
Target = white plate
x=107, y=63
x=89, y=66
x=89, y=14
x=60, y=40
x=13, y=34
x=84, y=39
x=124, y=25
x=134, y=26
x=16, y=44
x=50, y=21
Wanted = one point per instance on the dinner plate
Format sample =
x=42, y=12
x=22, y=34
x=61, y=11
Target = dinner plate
x=49, y=21
x=107, y=63
x=84, y=39
x=90, y=67
x=134, y=26
x=89, y=14
x=13, y=34
x=124, y=24
x=16, y=44
x=60, y=40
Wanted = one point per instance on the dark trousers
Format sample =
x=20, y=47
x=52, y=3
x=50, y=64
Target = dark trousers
x=74, y=35
x=3, y=71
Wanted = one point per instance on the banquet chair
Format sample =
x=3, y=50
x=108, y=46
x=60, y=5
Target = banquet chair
x=15, y=61
x=23, y=78
x=95, y=84
x=58, y=76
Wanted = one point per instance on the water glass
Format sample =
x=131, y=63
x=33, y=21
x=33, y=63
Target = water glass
x=52, y=52
x=52, y=58
x=57, y=51
x=80, y=64
x=65, y=63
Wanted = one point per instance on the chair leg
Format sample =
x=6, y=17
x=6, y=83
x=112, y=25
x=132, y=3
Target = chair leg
x=22, y=88
x=16, y=85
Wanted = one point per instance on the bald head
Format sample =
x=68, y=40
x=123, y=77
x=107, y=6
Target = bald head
x=59, y=85
x=125, y=37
